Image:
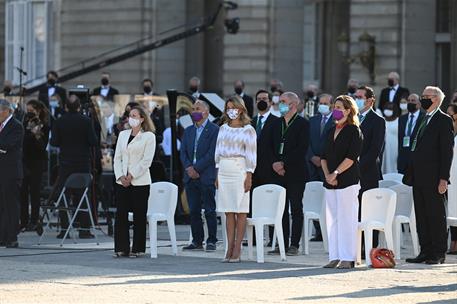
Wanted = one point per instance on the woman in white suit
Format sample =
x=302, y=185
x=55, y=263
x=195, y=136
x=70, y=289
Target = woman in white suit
x=134, y=153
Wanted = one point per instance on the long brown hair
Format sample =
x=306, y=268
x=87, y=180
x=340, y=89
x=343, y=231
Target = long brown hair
x=238, y=103
x=41, y=109
x=147, y=125
x=349, y=104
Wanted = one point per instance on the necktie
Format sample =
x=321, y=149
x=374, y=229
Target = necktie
x=420, y=131
x=258, y=128
x=323, y=122
x=361, y=118
x=410, y=125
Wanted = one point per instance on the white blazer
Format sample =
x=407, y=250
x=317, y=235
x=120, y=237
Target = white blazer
x=134, y=157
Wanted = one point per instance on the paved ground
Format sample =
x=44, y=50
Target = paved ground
x=86, y=273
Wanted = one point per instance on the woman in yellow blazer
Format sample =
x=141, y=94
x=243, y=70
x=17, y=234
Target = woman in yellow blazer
x=134, y=153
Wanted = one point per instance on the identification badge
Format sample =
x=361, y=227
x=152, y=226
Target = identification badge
x=281, y=148
x=406, y=141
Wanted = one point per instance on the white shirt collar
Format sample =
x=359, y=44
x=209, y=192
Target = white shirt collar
x=395, y=87
x=7, y=120
x=366, y=112
x=265, y=116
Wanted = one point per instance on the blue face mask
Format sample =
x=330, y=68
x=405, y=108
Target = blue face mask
x=283, y=109
x=360, y=103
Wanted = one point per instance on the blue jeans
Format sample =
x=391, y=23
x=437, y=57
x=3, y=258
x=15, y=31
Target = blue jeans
x=201, y=197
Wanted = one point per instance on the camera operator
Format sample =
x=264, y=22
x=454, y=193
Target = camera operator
x=74, y=134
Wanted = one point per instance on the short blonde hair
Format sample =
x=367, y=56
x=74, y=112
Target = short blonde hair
x=238, y=103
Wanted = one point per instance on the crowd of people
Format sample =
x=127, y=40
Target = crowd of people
x=347, y=142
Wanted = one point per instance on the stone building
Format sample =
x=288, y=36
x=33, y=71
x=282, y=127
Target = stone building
x=297, y=41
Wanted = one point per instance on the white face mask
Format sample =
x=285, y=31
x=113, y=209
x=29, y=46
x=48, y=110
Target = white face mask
x=404, y=106
x=233, y=113
x=388, y=113
x=275, y=99
x=323, y=109
x=133, y=122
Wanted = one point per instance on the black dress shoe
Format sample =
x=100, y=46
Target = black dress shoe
x=421, y=258
x=12, y=245
x=2, y=244
x=61, y=234
x=435, y=261
x=317, y=238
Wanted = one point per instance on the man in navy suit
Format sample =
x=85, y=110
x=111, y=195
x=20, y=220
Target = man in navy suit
x=407, y=130
x=11, y=137
x=373, y=128
x=319, y=126
x=197, y=156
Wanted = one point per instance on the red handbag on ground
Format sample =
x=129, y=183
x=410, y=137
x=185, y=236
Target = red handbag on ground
x=382, y=258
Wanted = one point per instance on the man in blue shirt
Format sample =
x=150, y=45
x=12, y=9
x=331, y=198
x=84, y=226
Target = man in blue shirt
x=197, y=156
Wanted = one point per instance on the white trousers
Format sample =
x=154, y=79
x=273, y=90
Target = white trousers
x=341, y=210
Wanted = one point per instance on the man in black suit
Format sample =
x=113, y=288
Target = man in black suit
x=393, y=93
x=11, y=138
x=105, y=90
x=431, y=158
x=248, y=101
x=51, y=89
x=407, y=130
x=74, y=134
x=262, y=123
x=373, y=128
x=288, y=147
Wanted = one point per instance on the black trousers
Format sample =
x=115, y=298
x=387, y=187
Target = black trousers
x=431, y=220
x=30, y=192
x=64, y=172
x=364, y=186
x=294, y=199
x=9, y=210
x=132, y=198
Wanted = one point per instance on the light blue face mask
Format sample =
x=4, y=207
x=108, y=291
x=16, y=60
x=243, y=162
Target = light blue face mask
x=283, y=109
x=360, y=103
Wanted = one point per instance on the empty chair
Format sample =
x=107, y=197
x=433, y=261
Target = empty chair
x=385, y=183
x=393, y=177
x=378, y=210
x=313, y=201
x=268, y=203
x=404, y=214
x=162, y=202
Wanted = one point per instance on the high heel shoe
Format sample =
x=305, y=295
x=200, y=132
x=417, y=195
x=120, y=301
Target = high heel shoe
x=237, y=260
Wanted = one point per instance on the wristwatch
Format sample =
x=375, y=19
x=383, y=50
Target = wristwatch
x=336, y=172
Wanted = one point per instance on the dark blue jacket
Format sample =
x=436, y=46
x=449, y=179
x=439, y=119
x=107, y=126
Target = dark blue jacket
x=205, y=165
x=317, y=142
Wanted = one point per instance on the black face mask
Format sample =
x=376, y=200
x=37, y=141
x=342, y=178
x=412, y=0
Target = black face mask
x=147, y=89
x=51, y=82
x=105, y=81
x=390, y=82
x=351, y=90
x=238, y=90
x=262, y=105
x=273, y=88
x=426, y=103
x=193, y=89
x=310, y=94
x=412, y=107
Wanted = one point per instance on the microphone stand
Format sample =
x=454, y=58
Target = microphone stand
x=21, y=74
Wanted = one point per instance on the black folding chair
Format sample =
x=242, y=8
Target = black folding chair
x=76, y=181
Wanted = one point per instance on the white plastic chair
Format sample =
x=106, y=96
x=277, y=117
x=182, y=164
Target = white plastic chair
x=313, y=209
x=385, y=183
x=162, y=202
x=378, y=210
x=404, y=214
x=268, y=203
x=393, y=177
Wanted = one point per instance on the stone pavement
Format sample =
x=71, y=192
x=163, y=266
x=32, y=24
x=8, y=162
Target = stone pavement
x=87, y=273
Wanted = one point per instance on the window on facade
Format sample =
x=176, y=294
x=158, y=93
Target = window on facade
x=27, y=26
